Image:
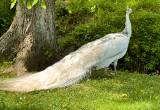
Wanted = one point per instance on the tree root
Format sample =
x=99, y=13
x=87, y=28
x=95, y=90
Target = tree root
x=22, y=56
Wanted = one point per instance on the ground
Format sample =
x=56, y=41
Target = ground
x=124, y=91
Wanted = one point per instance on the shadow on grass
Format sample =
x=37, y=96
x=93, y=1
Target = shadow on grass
x=102, y=74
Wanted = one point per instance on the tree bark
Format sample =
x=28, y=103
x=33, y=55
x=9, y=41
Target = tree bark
x=10, y=40
x=31, y=32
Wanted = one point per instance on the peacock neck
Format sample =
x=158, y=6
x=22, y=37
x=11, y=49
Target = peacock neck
x=127, y=30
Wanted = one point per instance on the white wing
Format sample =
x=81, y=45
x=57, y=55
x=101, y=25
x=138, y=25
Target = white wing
x=114, y=47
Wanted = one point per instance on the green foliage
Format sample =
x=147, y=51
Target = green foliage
x=3, y=66
x=125, y=91
x=43, y=4
x=145, y=46
x=96, y=18
x=6, y=15
x=49, y=53
x=29, y=3
x=13, y=2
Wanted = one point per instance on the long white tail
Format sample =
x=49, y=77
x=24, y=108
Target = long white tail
x=67, y=71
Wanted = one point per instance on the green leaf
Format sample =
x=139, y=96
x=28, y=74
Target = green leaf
x=70, y=11
x=13, y=2
x=34, y=2
x=93, y=8
x=43, y=4
x=29, y=4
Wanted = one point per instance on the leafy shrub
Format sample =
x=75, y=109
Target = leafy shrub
x=6, y=16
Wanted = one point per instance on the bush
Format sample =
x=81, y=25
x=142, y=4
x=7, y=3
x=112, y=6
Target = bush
x=6, y=16
x=101, y=17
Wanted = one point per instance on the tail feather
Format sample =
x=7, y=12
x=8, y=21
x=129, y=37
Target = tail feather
x=48, y=79
x=21, y=84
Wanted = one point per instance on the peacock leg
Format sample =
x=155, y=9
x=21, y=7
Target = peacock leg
x=115, y=66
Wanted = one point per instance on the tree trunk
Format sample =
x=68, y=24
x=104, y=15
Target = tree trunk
x=10, y=40
x=31, y=32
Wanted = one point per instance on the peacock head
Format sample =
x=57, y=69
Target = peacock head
x=129, y=10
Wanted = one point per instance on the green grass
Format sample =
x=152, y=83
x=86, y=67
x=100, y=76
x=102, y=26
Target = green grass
x=124, y=91
x=3, y=66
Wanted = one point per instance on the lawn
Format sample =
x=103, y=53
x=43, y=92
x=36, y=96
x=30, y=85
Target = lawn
x=101, y=91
